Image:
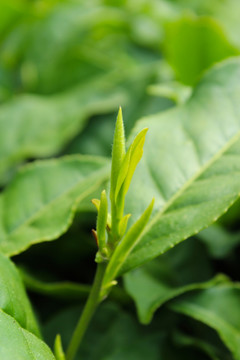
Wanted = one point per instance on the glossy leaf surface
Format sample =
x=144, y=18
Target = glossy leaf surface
x=190, y=164
x=39, y=204
x=13, y=298
x=18, y=343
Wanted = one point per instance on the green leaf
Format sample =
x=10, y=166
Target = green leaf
x=13, y=298
x=122, y=173
x=193, y=44
x=180, y=270
x=226, y=13
x=123, y=225
x=118, y=153
x=58, y=350
x=66, y=290
x=217, y=307
x=219, y=241
x=117, y=335
x=175, y=91
x=129, y=165
x=40, y=203
x=184, y=340
x=18, y=343
x=190, y=164
x=38, y=126
x=58, y=290
x=125, y=246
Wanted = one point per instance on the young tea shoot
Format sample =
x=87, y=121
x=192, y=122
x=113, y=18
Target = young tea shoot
x=114, y=240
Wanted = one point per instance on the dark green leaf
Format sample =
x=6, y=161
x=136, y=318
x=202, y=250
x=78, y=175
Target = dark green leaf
x=217, y=307
x=116, y=336
x=219, y=241
x=181, y=270
x=59, y=290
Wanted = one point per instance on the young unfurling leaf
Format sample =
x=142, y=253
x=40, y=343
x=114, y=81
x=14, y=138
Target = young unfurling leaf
x=123, y=225
x=58, y=350
x=96, y=203
x=130, y=161
x=118, y=152
x=125, y=247
x=136, y=153
x=128, y=166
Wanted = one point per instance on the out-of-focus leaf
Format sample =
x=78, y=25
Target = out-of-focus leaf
x=18, y=343
x=96, y=138
x=231, y=217
x=194, y=44
x=190, y=164
x=175, y=91
x=81, y=44
x=11, y=10
x=184, y=340
x=117, y=336
x=182, y=269
x=35, y=126
x=13, y=298
x=219, y=241
x=217, y=307
x=226, y=13
x=58, y=290
x=40, y=203
x=67, y=290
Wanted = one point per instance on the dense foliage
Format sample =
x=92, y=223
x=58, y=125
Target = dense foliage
x=174, y=67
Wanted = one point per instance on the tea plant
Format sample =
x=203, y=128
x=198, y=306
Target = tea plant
x=65, y=66
x=113, y=250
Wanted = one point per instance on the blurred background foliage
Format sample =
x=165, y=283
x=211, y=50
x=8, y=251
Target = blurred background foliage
x=65, y=67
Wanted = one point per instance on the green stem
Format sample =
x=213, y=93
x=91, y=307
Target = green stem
x=88, y=311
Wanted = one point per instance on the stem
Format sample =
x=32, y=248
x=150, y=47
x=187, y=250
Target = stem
x=88, y=311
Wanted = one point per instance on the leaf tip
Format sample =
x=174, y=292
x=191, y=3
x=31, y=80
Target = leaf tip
x=96, y=203
x=58, y=349
x=151, y=204
x=103, y=194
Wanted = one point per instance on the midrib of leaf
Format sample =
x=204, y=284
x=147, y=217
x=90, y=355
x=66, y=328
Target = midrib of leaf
x=42, y=210
x=189, y=182
x=104, y=173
